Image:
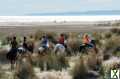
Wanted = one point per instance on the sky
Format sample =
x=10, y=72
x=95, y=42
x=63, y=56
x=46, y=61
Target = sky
x=26, y=7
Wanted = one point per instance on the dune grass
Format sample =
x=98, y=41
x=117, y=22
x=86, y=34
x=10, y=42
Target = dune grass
x=51, y=62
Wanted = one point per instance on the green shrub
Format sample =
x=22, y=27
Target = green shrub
x=51, y=61
x=38, y=34
x=73, y=42
x=93, y=61
x=97, y=37
x=117, y=54
x=115, y=30
x=108, y=35
x=112, y=45
x=80, y=70
x=51, y=35
x=24, y=68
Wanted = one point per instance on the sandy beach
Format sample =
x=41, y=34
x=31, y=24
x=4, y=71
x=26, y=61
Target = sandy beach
x=52, y=27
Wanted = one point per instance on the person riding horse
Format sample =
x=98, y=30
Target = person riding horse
x=61, y=39
x=87, y=42
x=12, y=54
x=30, y=44
x=22, y=49
x=60, y=46
x=43, y=44
x=25, y=43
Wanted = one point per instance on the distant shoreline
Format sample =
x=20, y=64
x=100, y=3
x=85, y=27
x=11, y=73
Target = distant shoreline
x=59, y=18
x=30, y=24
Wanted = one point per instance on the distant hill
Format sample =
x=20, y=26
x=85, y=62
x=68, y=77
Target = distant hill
x=97, y=12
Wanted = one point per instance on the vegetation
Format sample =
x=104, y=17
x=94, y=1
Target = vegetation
x=51, y=61
x=89, y=64
x=80, y=70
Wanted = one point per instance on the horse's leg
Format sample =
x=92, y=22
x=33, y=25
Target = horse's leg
x=84, y=49
x=30, y=58
x=39, y=51
x=32, y=50
x=95, y=49
x=68, y=51
x=55, y=49
x=81, y=48
x=12, y=64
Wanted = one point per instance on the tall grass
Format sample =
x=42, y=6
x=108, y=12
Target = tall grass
x=24, y=68
x=73, y=41
x=115, y=30
x=80, y=70
x=112, y=45
x=38, y=35
x=93, y=61
x=51, y=61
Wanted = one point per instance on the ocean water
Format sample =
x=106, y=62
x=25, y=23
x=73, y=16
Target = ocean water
x=82, y=13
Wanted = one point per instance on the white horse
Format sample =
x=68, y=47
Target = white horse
x=59, y=48
x=21, y=50
x=41, y=49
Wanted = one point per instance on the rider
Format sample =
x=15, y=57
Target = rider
x=23, y=46
x=61, y=39
x=87, y=41
x=25, y=42
x=30, y=45
x=44, y=42
x=14, y=43
x=61, y=44
x=12, y=54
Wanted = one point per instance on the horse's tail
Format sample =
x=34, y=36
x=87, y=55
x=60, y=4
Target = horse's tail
x=96, y=49
x=7, y=55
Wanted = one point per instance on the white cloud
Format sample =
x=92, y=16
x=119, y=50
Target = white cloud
x=99, y=1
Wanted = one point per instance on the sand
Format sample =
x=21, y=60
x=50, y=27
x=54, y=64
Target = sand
x=56, y=27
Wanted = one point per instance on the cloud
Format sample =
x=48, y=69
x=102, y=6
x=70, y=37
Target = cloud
x=99, y=1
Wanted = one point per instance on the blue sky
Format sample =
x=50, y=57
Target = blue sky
x=24, y=7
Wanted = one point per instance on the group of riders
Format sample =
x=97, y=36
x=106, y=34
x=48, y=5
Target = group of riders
x=29, y=45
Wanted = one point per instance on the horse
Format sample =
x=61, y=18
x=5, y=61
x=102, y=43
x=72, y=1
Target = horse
x=59, y=48
x=51, y=47
x=22, y=50
x=86, y=47
x=30, y=46
x=45, y=49
x=14, y=53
